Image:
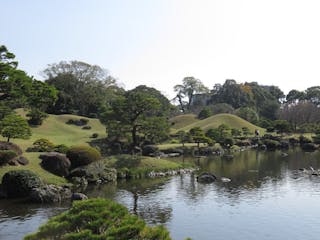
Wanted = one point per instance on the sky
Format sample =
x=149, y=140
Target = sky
x=159, y=42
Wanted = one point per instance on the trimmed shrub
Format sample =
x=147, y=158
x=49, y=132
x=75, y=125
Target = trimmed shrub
x=61, y=148
x=6, y=156
x=98, y=219
x=10, y=146
x=42, y=145
x=271, y=144
x=148, y=150
x=80, y=122
x=308, y=147
x=82, y=155
x=86, y=127
x=19, y=183
x=94, y=135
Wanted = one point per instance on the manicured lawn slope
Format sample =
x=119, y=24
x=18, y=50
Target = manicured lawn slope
x=183, y=120
x=57, y=131
x=232, y=121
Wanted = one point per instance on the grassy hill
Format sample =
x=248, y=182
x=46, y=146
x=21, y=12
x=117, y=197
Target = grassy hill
x=183, y=120
x=55, y=129
x=214, y=121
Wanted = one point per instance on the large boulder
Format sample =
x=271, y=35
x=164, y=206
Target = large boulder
x=49, y=194
x=206, y=178
x=19, y=183
x=56, y=163
x=96, y=171
x=78, y=196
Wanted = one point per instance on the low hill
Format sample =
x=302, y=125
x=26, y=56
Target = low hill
x=183, y=121
x=55, y=129
x=232, y=121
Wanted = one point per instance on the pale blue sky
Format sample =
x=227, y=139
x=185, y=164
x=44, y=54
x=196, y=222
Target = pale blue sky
x=158, y=42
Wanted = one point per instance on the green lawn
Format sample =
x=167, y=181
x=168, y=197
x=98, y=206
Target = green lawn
x=57, y=131
x=214, y=121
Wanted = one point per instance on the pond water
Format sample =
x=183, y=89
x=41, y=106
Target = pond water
x=267, y=198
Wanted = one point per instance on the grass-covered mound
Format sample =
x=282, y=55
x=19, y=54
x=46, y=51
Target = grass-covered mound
x=214, y=121
x=184, y=120
x=140, y=166
x=98, y=219
x=55, y=129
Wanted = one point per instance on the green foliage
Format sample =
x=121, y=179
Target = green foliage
x=43, y=145
x=187, y=90
x=282, y=126
x=6, y=156
x=236, y=132
x=19, y=183
x=271, y=144
x=246, y=131
x=137, y=116
x=248, y=114
x=14, y=126
x=82, y=155
x=61, y=148
x=98, y=219
x=84, y=89
x=36, y=117
x=204, y=113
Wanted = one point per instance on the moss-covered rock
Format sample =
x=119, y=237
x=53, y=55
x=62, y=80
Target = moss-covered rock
x=56, y=163
x=20, y=183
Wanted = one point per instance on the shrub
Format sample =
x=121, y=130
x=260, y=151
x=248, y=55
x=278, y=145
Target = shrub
x=98, y=219
x=94, y=135
x=19, y=183
x=42, y=145
x=10, y=146
x=82, y=155
x=6, y=156
x=86, y=127
x=204, y=113
x=271, y=144
x=36, y=117
x=303, y=139
x=80, y=122
x=148, y=150
x=61, y=148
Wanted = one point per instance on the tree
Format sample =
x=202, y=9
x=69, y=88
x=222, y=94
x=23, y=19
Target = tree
x=281, y=126
x=204, y=113
x=248, y=114
x=198, y=136
x=189, y=87
x=137, y=115
x=84, y=89
x=14, y=83
x=14, y=126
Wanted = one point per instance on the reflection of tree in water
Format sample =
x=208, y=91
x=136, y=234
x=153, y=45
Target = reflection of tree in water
x=20, y=210
x=249, y=171
x=141, y=190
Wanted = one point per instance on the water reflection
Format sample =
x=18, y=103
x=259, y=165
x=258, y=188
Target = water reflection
x=266, y=189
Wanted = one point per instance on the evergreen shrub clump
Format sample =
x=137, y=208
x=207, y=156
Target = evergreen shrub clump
x=82, y=155
x=98, y=219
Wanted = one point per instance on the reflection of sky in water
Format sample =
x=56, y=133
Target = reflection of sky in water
x=266, y=199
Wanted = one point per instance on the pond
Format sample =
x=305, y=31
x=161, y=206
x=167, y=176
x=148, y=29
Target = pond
x=268, y=198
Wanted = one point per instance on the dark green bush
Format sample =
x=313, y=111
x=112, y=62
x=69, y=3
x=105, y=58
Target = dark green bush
x=98, y=219
x=80, y=122
x=82, y=155
x=61, y=148
x=87, y=127
x=19, y=183
x=6, y=156
x=36, y=117
x=271, y=144
x=94, y=135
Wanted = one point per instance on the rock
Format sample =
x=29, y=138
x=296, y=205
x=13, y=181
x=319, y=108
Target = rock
x=283, y=154
x=309, y=147
x=78, y=196
x=22, y=160
x=56, y=163
x=19, y=183
x=49, y=194
x=225, y=180
x=95, y=171
x=206, y=178
x=149, y=150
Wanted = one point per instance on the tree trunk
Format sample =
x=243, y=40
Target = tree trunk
x=8, y=140
x=134, y=136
